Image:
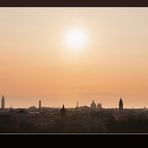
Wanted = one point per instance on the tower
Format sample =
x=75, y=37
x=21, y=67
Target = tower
x=63, y=111
x=77, y=104
x=93, y=105
x=11, y=109
x=40, y=103
x=3, y=102
x=120, y=104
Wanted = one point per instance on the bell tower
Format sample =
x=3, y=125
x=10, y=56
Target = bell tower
x=3, y=102
x=120, y=104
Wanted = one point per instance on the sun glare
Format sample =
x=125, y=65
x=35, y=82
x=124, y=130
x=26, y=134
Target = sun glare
x=76, y=38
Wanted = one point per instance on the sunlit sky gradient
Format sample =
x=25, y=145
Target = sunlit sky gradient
x=35, y=62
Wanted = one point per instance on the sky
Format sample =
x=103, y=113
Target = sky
x=37, y=60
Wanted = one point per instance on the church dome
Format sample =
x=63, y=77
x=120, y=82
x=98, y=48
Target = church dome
x=93, y=105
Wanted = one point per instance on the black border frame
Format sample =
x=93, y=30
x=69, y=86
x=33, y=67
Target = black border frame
x=73, y=140
x=73, y=3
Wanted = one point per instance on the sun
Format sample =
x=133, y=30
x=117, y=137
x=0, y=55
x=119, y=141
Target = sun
x=76, y=38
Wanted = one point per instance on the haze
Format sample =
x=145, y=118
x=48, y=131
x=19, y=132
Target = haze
x=35, y=62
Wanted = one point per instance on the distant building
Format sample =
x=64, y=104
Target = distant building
x=93, y=105
x=99, y=106
x=40, y=104
x=3, y=102
x=22, y=111
x=11, y=109
x=32, y=108
x=63, y=111
x=77, y=104
x=84, y=108
x=120, y=104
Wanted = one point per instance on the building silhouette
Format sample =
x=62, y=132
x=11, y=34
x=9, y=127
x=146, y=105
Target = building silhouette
x=63, y=111
x=93, y=105
x=77, y=104
x=11, y=109
x=40, y=104
x=3, y=102
x=120, y=104
x=99, y=106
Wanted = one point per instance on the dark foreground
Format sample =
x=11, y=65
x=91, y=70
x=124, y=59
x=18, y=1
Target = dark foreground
x=75, y=121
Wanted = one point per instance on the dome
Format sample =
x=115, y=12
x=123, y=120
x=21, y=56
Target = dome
x=99, y=105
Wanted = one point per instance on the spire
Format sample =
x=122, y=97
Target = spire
x=63, y=107
x=77, y=104
x=40, y=103
x=3, y=102
x=93, y=105
x=120, y=104
x=63, y=112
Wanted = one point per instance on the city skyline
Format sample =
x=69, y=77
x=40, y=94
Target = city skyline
x=93, y=105
x=65, y=55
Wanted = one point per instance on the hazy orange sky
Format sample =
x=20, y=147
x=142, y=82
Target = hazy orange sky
x=36, y=63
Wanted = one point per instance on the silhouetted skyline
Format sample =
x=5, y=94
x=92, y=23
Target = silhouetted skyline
x=92, y=105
